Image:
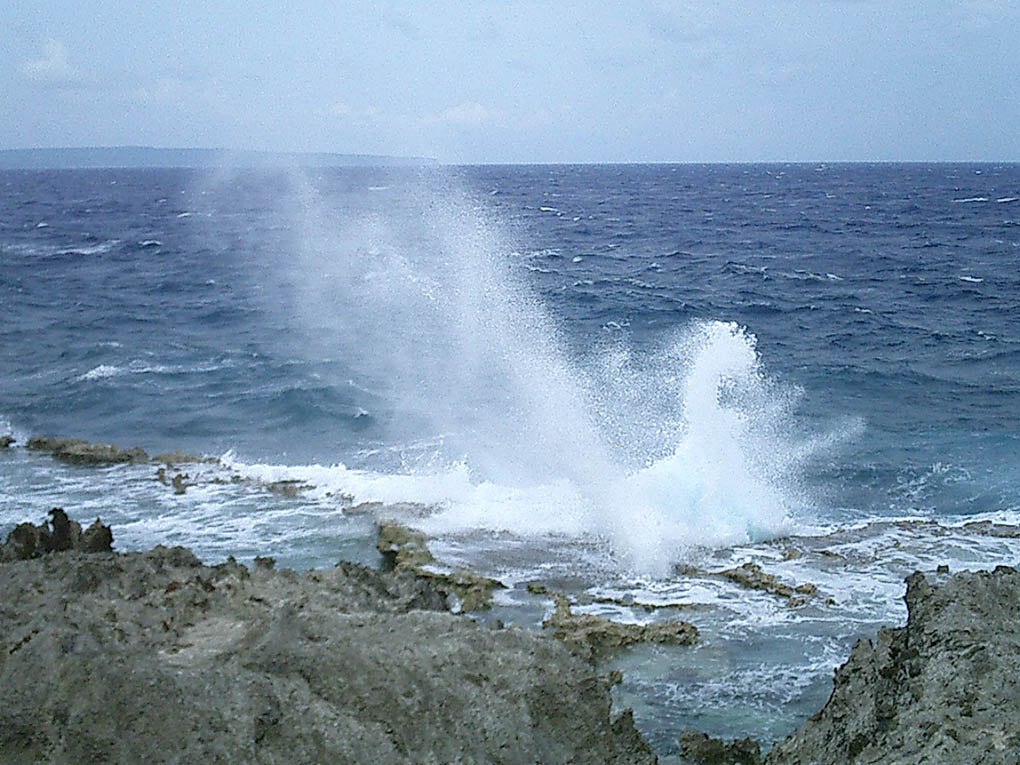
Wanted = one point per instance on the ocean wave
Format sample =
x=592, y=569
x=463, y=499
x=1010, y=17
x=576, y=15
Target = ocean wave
x=100, y=372
x=139, y=367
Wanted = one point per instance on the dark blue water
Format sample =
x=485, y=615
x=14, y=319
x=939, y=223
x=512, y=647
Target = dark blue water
x=664, y=358
x=880, y=290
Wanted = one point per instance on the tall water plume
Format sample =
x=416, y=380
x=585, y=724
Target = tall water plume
x=656, y=453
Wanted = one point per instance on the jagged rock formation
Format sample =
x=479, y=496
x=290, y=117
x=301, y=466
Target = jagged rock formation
x=944, y=688
x=406, y=550
x=700, y=749
x=78, y=451
x=596, y=637
x=30, y=541
x=154, y=657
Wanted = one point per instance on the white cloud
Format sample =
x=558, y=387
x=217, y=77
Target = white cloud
x=52, y=68
x=467, y=113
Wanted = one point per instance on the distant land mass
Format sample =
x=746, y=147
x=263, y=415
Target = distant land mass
x=147, y=156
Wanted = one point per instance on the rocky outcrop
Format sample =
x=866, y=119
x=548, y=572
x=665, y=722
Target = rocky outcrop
x=944, y=688
x=751, y=576
x=406, y=550
x=77, y=451
x=61, y=534
x=6, y=441
x=596, y=637
x=699, y=749
x=154, y=657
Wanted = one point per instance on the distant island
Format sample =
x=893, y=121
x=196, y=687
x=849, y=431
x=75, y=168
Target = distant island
x=147, y=156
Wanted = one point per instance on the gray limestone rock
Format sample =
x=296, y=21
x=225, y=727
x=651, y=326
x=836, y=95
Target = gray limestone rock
x=154, y=657
x=944, y=688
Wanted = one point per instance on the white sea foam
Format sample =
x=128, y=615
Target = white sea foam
x=95, y=249
x=101, y=372
x=653, y=453
x=971, y=199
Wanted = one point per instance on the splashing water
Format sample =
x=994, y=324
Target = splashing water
x=690, y=446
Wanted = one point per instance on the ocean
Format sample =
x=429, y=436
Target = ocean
x=617, y=380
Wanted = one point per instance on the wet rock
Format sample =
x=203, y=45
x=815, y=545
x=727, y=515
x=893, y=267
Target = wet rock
x=753, y=577
x=77, y=451
x=288, y=488
x=30, y=541
x=6, y=441
x=180, y=483
x=627, y=733
x=596, y=636
x=177, y=457
x=700, y=749
x=96, y=538
x=987, y=528
x=406, y=550
x=153, y=657
x=944, y=688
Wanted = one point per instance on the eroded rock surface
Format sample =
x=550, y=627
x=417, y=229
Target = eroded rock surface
x=945, y=688
x=406, y=550
x=596, y=636
x=154, y=657
x=700, y=749
x=60, y=534
x=77, y=451
x=753, y=577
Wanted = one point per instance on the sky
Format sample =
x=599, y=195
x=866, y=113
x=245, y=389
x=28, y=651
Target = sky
x=520, y=80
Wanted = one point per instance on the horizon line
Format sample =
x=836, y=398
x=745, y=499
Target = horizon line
x=410, y=159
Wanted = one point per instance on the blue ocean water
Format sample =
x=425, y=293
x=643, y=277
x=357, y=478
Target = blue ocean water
x=592, y=374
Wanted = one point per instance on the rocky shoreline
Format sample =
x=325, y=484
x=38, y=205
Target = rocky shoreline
x=153, y=656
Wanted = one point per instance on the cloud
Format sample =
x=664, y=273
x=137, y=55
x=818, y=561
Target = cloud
x=53, y=68
x=469, y=113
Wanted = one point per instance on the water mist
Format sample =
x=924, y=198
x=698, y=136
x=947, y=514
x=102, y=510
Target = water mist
x=499, y=427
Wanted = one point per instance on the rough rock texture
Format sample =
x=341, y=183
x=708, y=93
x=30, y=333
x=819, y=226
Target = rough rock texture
x=751, y=576
x=28, y=541
x=80, y=452
x=406, y=550
x=945, y=688
x=153, y=657
x=596, y=637
x=6, y=441
x=699, y=749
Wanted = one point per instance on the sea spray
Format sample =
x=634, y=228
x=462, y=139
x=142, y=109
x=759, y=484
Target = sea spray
x=421, y=305
x=728, y=478
x=653, y=453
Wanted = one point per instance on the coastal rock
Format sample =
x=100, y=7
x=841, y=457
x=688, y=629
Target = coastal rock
x=406, y=550
x=596, y=636
x=6, y=441
x=178, y=457
x=753, y=577
x=699, y=749
x=944, y=688
x=77, y=451
x=30, y=541
x=154, y=657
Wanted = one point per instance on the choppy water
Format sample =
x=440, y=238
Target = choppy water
x=592, y=374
